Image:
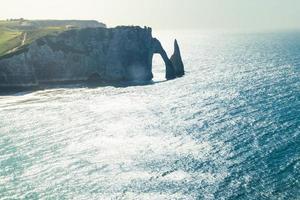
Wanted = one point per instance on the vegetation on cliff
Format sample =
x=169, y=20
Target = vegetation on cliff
x=16, y=33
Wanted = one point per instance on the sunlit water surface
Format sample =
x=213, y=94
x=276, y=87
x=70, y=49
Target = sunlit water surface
x=229, y=129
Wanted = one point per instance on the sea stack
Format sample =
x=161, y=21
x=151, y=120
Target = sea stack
x=177, y=60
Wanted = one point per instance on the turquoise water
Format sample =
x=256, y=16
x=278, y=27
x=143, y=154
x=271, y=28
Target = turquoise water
x=229, y=129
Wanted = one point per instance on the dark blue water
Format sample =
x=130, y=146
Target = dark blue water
x=229, y=129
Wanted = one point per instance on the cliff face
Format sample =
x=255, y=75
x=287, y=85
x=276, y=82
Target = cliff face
x=110, y=55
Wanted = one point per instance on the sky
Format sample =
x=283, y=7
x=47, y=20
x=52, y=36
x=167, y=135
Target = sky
x=165, y=14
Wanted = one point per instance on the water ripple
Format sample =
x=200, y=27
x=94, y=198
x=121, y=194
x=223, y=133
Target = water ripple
x=229, y=129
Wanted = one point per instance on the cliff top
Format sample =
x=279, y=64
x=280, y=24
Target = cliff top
x=15, y=33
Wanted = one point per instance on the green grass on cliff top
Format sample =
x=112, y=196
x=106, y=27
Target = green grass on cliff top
x=9, y=40
x=12, y=34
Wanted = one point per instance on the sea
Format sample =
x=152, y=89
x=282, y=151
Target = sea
x=229, y=129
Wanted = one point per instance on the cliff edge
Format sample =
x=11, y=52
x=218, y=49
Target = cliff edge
x=102, y=54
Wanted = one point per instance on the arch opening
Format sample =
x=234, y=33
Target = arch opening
x=158, y=68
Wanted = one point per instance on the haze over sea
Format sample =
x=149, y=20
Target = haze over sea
x=229, y=129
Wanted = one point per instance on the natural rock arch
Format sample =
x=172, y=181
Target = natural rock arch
x=157, y=48
x=174, y=65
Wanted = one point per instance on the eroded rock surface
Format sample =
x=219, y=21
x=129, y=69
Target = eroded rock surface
x=111, y=55
x=177, y=60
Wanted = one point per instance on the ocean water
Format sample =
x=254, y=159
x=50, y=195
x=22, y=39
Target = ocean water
x=229, y=129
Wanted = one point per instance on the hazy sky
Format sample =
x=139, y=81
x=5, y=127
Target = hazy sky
x=166, y=14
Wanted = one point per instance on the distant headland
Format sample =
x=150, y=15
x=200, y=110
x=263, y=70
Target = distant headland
x=35, y=52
